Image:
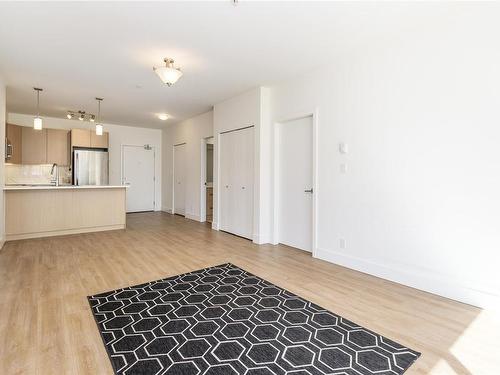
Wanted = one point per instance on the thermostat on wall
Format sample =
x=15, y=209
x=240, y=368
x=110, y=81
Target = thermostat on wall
x=343, y=148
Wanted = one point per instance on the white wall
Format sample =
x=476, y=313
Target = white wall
x=3, y=113
x=420, y=202
x=118, y=135
x=191, y=132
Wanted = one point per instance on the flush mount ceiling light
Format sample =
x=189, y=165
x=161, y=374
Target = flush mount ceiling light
x=163, y=116
x=98, y=125
x=168, y=73
x=37, y=121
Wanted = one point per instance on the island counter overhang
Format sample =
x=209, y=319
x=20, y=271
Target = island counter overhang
x=44, y=211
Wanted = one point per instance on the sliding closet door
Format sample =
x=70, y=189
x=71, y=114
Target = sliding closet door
x=244, y=182
x=226, y=151
x=236, y=182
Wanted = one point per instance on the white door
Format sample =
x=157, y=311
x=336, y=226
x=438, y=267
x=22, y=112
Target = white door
x=243, y=189
x=226, y=170
x=139, y=175
x=180, y=179
x=236, y=182
x=294, y=183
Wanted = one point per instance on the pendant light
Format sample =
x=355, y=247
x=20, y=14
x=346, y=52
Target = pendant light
x=37, y=122
x=98, y=125
x=168, y=73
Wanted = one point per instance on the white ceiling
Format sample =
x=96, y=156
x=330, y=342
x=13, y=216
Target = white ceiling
x=77, y=51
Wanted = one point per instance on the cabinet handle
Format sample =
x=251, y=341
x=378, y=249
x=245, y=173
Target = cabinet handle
x=308, y=191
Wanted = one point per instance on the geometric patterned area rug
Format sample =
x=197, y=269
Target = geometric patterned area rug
x=223, y=320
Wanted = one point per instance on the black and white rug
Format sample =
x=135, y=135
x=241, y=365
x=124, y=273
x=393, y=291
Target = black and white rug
x=223, y=320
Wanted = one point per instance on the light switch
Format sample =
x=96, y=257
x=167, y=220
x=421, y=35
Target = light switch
x=343, y=148
x=342, y=243
x=343, y=168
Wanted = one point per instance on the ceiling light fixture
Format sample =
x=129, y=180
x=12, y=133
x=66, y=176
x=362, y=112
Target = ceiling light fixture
x=98, y=126
x=80, y=115
x=37, y=121
x=168, y=73
x=163, y=116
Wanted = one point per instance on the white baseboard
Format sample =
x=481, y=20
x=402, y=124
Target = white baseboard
x=192, y=217
x=2, y=242
x=215, y=225
x=416, y=279
x=260, y=240
x=166, y=209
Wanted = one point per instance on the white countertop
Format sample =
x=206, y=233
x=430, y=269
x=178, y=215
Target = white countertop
x=61, y=187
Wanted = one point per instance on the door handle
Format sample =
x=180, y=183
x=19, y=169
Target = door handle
x=309, y=191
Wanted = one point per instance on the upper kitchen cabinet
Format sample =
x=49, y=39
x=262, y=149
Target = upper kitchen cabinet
x=13, y=135
x=34, y=142
x=99, y=141
x=80, y=138
x=88, y=138
x=58, y=147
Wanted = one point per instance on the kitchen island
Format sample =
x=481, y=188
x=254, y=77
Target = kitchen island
x=43, y=211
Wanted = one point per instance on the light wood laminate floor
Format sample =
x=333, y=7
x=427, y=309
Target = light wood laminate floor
x=46, y=326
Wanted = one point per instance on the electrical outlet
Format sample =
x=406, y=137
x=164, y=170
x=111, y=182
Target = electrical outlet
x=342, y=243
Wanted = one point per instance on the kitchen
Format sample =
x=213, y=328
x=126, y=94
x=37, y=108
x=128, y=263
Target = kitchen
x=57, y=182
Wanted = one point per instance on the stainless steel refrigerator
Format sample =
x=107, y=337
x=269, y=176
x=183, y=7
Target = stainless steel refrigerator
x=90, y=167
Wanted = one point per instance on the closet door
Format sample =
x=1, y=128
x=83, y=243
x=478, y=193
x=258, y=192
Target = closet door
x=244, y=182
x=226, y=151
x=236, y=182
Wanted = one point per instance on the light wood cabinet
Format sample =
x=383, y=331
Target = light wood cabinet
x=34, y=142
x=47, y=146
x=99, y=141
x=80, y=138
x=15, y=137
x=31, y=213
x=58, y=146
x=88, y=138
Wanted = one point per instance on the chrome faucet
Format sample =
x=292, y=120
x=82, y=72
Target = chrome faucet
x=55, y=179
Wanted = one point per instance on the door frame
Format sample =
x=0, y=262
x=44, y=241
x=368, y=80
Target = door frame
x=203, y=177
x=122, y=166
x=276, y=168
x=173, y=179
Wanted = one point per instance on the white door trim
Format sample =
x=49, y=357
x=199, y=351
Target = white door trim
x=122, y=151
x=203, y=179
x=173, y=176
x=296, y=116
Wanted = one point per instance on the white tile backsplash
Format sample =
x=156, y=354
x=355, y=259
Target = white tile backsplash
x=37, y=174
